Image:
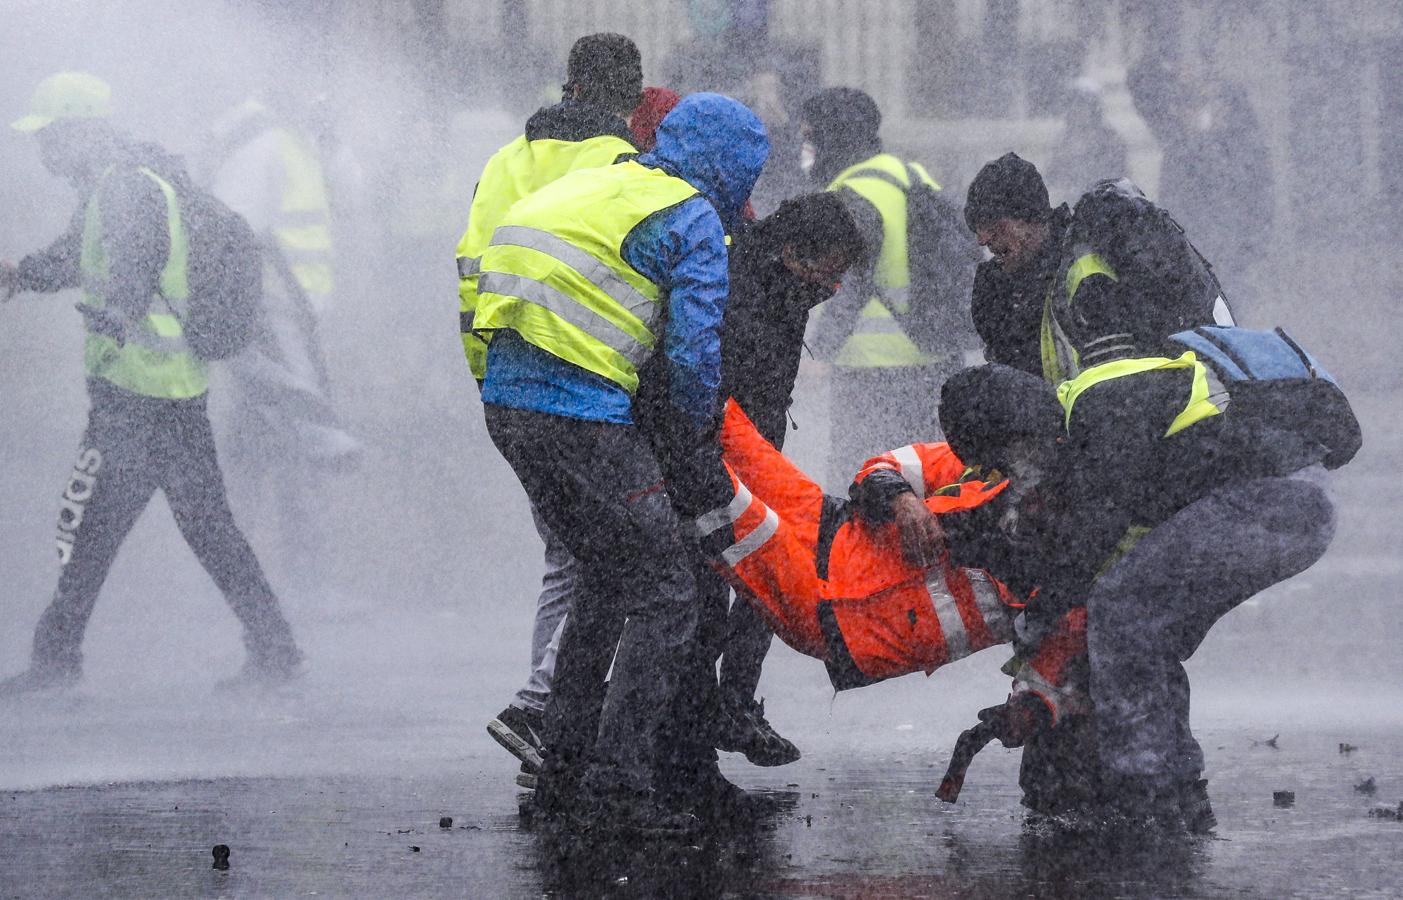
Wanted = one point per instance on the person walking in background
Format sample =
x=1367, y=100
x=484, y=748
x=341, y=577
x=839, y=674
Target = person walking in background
x=1216, y=174
x=128, y=248
x=588, y=128
x=895, y=331
x=284, y=432
x=1088, y=149
x=584, y=282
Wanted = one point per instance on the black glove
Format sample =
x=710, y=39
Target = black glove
x=1017, y=719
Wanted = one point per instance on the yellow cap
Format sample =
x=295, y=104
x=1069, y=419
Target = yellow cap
x=67, y=95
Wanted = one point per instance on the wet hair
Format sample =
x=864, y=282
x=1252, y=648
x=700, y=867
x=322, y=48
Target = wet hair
x=1009, y=187
x=985, y=408
x=607, y=71
x=815, y=225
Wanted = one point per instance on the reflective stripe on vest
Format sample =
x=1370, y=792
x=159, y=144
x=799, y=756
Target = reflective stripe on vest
x=153, y=358
x=877, y=339
x=1199, y=406
x=517, y=170
x=554, y=271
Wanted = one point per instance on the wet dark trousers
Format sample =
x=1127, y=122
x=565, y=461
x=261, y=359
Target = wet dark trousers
x=598, y=487
x=135, y=445
x=1152, y=608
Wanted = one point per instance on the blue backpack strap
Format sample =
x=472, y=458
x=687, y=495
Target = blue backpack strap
x=1238, y=354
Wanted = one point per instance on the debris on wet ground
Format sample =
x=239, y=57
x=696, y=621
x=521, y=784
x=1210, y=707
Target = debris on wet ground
x=445, y=822
x=413, y=848
x=1387, y=812
x=1366, y=786
x=1269, y=742
x=221, y=856
x=1348, y=748
x=1283, y=798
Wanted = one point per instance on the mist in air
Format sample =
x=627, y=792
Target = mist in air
x=416, y=614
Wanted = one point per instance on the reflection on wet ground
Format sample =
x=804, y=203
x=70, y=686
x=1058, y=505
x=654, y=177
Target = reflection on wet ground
x=848, y=827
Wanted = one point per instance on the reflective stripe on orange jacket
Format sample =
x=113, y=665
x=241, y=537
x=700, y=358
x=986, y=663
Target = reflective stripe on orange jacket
x=894, y=618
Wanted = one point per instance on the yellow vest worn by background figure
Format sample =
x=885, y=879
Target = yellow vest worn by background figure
x=153, y=359
x=877, y=340
x=303, y=224
x=555, y=273
x=517, y=170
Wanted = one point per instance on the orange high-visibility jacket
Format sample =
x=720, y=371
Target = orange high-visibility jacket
x=874, y=616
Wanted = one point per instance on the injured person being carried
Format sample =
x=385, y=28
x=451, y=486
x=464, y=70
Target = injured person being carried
x=911, y=573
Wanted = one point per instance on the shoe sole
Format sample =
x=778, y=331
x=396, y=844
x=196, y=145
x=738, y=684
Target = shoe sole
x=526, y=780
x=515, y=744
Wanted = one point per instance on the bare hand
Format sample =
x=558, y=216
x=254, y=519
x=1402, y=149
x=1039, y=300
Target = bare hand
x=922, y=540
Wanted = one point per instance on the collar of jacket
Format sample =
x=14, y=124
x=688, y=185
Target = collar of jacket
x=574, y=120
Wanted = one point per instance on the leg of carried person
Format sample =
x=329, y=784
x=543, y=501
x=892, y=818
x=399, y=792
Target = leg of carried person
x=1153, y=607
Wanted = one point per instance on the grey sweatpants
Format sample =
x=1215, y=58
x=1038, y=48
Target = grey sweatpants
x=560, y=584
x=1154, y=606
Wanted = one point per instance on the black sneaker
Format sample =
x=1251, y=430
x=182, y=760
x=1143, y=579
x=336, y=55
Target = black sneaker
x=519, y=731
x=745, y=729
x=1195, y=809
x=264, y=672
x=36, y=679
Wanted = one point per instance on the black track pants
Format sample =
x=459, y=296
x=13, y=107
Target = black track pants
x=134, y=446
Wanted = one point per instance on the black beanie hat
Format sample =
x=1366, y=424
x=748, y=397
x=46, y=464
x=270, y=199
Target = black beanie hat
x=984, y=407
x=608, y=70
x=842, y=117
x=1007, y=188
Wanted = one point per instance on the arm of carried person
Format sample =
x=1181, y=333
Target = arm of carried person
x=683, y=251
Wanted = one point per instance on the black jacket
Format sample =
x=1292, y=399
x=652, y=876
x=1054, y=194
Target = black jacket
x=762, y=336
x=572, y=120
x=1007, y=307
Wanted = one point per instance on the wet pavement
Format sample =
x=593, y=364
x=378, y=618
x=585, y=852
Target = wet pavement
x=835, y=826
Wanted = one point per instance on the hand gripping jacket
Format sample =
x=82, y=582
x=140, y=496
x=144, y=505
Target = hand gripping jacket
x=517, y=170
x=153, y=357
x=555, y=273
x=878, y=340
x=838, y=589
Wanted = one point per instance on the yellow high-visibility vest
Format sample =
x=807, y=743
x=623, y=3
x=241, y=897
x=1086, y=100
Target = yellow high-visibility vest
x=153, y=358
x=302, y=227
x=1059, y=358
x=877, y=340
x=517, y=170
x=554, y=271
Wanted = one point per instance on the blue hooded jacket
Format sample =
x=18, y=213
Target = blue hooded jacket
x=718, y=146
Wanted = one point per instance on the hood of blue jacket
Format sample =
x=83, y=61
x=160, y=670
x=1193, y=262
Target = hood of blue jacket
x=717, y=145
